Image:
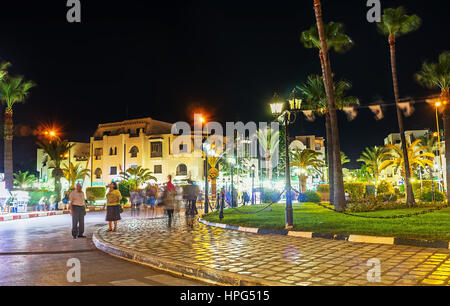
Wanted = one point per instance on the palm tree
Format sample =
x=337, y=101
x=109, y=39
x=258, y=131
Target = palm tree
x=344, y=158
x=396, y=22
x=56, y=150
x=373, y=157
x=363, y=174
x=314, y=94
x=74, y=172
x=137, y=176
x=437, y=75
x=4, y=69
x=304, y=161
x=417, y=156
x=269, y=141
x=12, y=90
x=330, y=36
x=24, y=179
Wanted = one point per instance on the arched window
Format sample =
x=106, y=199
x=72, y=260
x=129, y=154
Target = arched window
x=134, y=151
x=111, y=151
x=98, y=173
x=115, y=150
x=181, y=170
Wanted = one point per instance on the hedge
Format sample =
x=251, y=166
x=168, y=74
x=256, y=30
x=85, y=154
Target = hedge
x=36, y=195
x=385, y=187
x=356, y=191
x=95, y=193
x=309, y=196
x=323, y=188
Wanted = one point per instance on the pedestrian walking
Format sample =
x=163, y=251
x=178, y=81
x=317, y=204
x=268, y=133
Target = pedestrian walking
x=136, y=201
x=151, y=193
x=77, y=206
x=65, y=200
x=168, y=200
x=113, y=207
x=245, y=198
x=191, y=192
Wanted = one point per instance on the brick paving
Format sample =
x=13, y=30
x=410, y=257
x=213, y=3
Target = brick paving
x=282, y=259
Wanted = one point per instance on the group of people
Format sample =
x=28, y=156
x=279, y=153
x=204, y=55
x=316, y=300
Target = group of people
x=171, y=198
x=77, y=207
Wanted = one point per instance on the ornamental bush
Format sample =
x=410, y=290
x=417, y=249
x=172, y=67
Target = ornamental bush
x=309, y=197
x=36, y=195
x=323, y=188
x=124, y=188
x=428, y=196
x=356, y=191
x=425, y=187
x=95, y=193
x=387, y=197
x=271, y=195
x=385, y=187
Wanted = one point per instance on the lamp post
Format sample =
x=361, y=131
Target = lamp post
x=437, y=105
x=277, y=104
x=253, y=183
x=232, y=162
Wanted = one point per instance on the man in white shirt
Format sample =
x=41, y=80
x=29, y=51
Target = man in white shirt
x=77, y=206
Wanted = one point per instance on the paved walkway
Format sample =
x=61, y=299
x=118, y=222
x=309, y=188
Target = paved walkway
x=278, y=259
x=35, y=252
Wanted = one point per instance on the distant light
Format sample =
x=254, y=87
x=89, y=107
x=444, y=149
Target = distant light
x=437, y=104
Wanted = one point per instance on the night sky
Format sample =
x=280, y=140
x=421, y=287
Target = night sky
x=131, y=59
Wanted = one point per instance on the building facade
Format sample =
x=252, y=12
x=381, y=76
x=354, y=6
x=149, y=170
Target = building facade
x=439, y=164
x=144, y=142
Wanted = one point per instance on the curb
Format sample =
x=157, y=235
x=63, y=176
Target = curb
x=352, y=238
x=204, y=274
x=41, y=214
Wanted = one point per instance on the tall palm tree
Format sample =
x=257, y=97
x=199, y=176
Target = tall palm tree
x=12, y=90
x=437, y=75
x=56, y=150
x=24, y=179
x=137, y=176
x=332, y=36
x=417, y=156
x=304, y=161
x=373, y=157
x=315, y=98
x=394, y=23
x=344, y=158
x=4, y=69
x=269, y=141
x=74, y=172
x=339, y=196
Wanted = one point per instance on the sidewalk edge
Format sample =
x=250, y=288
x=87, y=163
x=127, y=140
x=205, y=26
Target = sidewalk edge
x=204, y=274
x=351, y=238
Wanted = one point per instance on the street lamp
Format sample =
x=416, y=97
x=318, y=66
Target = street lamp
x=232, y=161
x=292, y=108
x=437, y=105
x=253, y=183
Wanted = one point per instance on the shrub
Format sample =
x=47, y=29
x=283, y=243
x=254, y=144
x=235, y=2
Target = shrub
x=425, y=187
x=356, y=191
x=271, y=195
x=323, y=188
x=124, y=188
x=309, y=196
x=95, y=193
x=36, y=195
x=387, y=197
x=428, y=196
x=385, y=187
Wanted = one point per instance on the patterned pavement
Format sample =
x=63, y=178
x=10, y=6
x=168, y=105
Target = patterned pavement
x=282, y=259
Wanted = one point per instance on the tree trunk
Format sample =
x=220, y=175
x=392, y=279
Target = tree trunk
x=339, y=196
x=330, y=157
x=445, y=96
x=409, y=191
x=8, y=154
x=303, y=179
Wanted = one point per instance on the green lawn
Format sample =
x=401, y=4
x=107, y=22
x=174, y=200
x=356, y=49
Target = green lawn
x=313, y=218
